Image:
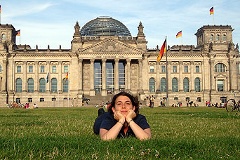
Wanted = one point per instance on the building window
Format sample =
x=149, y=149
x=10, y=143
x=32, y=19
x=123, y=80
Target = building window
x=18, y=85
x=3, y=37
x=53, y=99
x=65, y=85
x=163, y=85
x=151, y=69
x=42, y=85
x=223, y=99
x=30, y=85
x=224, y=37
x=220, y=85
x=54, y=85
x=65, y=69
x=121, y=68
x=218, y=37
x=42, y=69
x=97, y=76
x=211, y=37
x=186, y=85
x=0, y=68
x=152, y=85
x=197, y=69
x=185, y=69
x=54, y=69
x=163, y=69
x=197, y=84
x=199, y=99
x=30, y=69
x=110, y=77
x=19, y=68
x=29, y=100
x=41, y=99
x=18, y=100
x=174, y=85
x=174, y=69
x=220, y=67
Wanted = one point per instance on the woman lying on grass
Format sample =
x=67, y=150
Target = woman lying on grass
x=122, y=120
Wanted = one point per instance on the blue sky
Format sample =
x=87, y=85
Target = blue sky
x=51, y=22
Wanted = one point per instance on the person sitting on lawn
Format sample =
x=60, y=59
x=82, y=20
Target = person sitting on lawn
x=122, y=120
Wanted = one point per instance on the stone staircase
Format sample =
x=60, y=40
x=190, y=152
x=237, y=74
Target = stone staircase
x=98, y=99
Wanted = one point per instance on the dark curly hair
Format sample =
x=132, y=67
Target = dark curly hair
x=131, y=97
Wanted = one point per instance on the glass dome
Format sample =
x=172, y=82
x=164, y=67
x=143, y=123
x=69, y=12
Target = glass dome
x=104, y=26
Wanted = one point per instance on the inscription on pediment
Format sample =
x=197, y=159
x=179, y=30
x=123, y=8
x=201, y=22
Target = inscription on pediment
x=111, y=46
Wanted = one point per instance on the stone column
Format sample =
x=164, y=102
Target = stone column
x=49, y=76
x=180, y=78
x=60, y=78
x=91, y=78
x=212, y=79
x=191, y=83
x=24, y=80
x=116, y=75
x=128, y=78
x=157, y=88
x=4, y=77
x=104, y=91
x=80, y=75
x=36, y=75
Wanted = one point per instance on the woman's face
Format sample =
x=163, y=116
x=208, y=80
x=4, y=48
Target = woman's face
x=123, y=104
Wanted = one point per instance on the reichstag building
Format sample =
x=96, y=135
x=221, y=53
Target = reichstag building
x=105, y=58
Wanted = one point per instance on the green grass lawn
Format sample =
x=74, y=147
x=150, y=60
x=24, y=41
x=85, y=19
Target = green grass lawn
x=66, y=133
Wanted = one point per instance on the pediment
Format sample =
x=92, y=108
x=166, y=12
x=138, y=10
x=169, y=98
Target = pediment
x=111, y=46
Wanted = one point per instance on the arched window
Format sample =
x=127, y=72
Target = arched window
x=18, y=85
x=152, y=85
x=163, y=85
x=220, y=67
x=54, y=85
x=174, y=85
x=197, y=84
x=30, y=85
x=224, y=37
x=65, y=85
x=42, y=85
x=218, y=37
x=186, y=84
x=3, y=37
x=211, y=37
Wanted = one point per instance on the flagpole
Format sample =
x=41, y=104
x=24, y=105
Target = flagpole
x=167, y=102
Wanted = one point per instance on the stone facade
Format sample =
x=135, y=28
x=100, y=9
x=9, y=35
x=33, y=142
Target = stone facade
x=60, y=77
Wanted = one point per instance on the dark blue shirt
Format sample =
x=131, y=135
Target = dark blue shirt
x=108, y=121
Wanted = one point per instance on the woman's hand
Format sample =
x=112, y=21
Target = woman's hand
x=131, y=114
x=119, y=117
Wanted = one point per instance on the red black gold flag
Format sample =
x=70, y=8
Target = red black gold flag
x=162, y=51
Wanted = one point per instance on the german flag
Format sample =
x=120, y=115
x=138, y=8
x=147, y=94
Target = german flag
x=179, y=34
x=162, y=51
x=66, y=77
x=211, y=11
x=18, y=33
